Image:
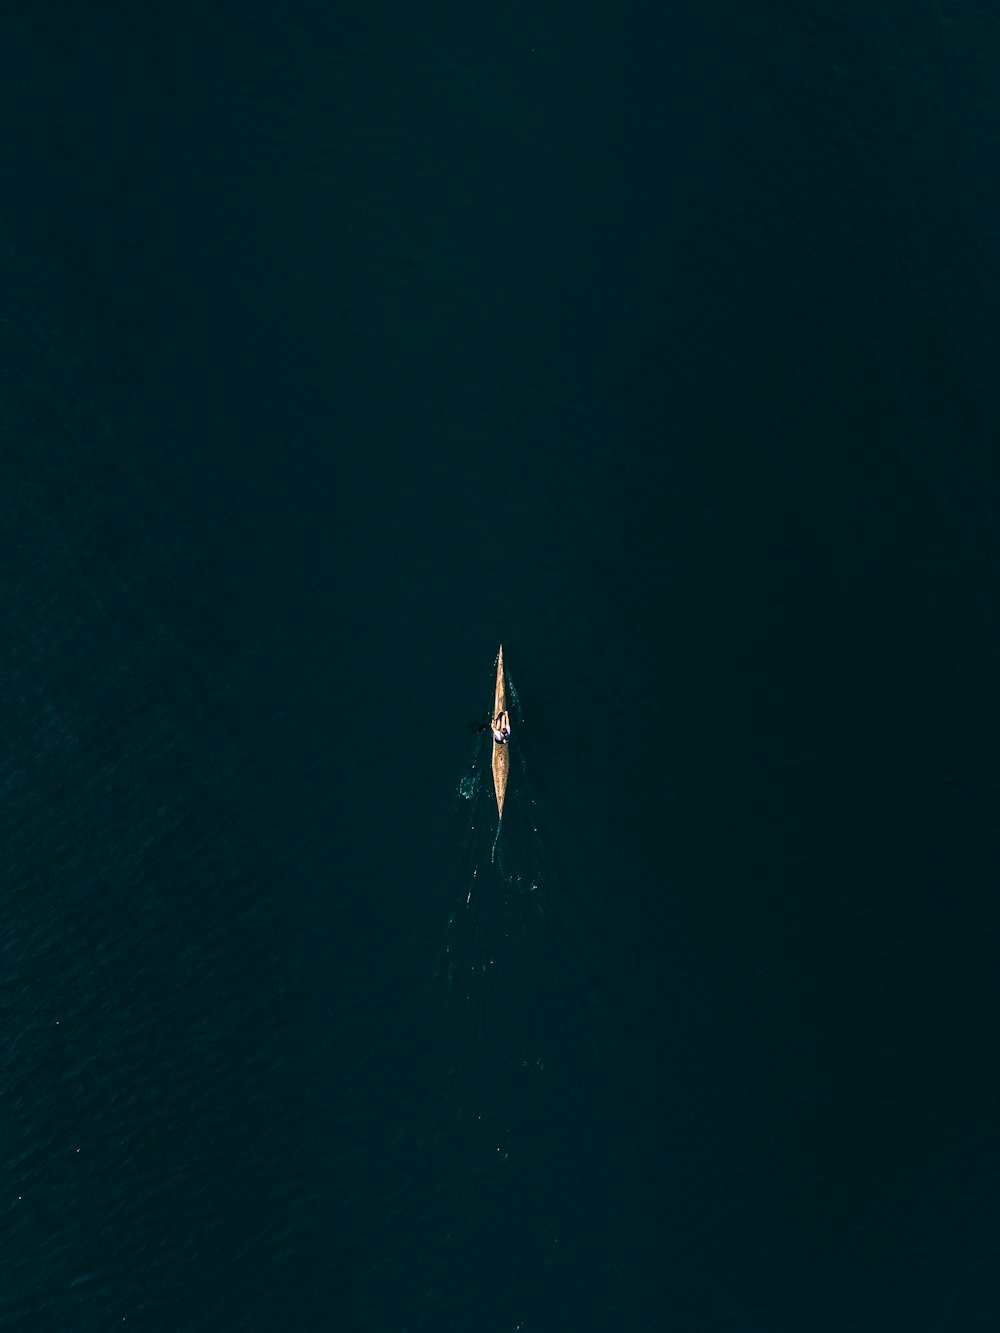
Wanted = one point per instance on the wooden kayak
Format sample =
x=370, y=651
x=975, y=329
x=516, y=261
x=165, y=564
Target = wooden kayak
x=501, y=753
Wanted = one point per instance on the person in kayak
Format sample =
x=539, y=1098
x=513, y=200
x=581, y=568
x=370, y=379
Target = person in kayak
x=501, y=728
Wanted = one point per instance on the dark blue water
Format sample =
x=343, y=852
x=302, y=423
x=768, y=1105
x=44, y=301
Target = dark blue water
x=341, y=342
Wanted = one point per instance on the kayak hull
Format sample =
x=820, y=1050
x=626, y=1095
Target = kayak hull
x=501, y=753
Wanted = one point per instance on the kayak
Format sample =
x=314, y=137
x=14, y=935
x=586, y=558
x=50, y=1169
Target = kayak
x=501, y=754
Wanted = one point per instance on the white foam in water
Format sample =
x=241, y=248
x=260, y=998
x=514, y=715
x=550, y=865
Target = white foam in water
x=514, y=697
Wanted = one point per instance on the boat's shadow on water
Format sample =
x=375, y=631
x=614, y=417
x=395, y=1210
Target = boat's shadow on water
x=516, y=1002
x=504, y=968
x=500, y=877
